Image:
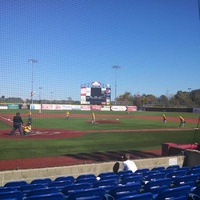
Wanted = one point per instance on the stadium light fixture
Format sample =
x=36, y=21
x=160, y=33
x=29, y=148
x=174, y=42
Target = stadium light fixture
x=116, y=67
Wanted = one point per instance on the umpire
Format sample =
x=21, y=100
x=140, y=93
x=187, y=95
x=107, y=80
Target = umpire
x=17, y=122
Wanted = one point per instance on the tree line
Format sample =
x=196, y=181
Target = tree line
x=180, y=99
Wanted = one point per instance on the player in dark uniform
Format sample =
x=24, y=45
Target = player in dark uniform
x=17, y=122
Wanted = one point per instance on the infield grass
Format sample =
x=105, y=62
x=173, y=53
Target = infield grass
x=97, y=142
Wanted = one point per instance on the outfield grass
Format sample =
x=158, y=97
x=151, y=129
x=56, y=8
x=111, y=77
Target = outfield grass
x=96, y=142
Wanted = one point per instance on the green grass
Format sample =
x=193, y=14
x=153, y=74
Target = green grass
x=12, y=148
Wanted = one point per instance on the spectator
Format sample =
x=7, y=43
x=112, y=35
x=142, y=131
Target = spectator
x=128, y=164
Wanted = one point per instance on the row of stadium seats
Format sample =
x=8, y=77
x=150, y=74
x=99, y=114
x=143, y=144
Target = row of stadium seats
x=173, y=182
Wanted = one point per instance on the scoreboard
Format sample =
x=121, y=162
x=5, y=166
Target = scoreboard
x=96, y=93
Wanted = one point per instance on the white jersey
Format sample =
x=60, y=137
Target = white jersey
x=129, y=165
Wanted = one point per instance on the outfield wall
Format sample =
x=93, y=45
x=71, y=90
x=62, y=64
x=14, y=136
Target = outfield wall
x=95, y=107
x=76, y=170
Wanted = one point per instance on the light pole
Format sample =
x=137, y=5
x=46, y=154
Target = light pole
x=189, y=89
x=40, y=88
x=116, y=67
x=51, y=98
x=33, y=61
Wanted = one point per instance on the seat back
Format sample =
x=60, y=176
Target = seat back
x=122, y=173
x=53, y=196
x=187, y=179
x=111, y=176
x=132, y=179
x=173, y=167
x=78, y=186
x=176, y=173
x=15, y=184
x=158, y=169
x=120, y=190
x=44, y=181
x=7, y=189
x=59, y=184
x=142, y=171
x=156, y=183
x=83, y=176
x=90, y=180
x=92, y=193
x=17, y=195
x=182, y=191
x=106, y=184
x=143, y=196
x=155, y=176
x=42, y=191
x=109, y=182
x=65, y=178
x=29, y=187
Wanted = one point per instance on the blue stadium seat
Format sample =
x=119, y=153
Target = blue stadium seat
x=156, y=183
x=132, y=179
x=158, y=169
x=59, y=184
x=157, y=186
x=16, y=195
x=176, y=173
x=91, y=180
x=123, y=173
x=73, y=187
x=43, y=181
x=106, y=184
x=158, y=175
x=173, y=167
x=143, y=196
x=15, y=184
x=53, y=196
x=105, y=174
x=186, y=179
x=7, y=189
x=181, y=192
x=194, y=171
x=29, y=187
x=142, y=171
x=195, y=193
x=42, y=191
x=195, y=167
x=65, y=178
x=122, y=190
x=83, y=176
x=92, y=194
x=111, y=176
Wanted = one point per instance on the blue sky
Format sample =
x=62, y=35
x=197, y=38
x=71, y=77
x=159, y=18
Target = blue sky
x=156, y=43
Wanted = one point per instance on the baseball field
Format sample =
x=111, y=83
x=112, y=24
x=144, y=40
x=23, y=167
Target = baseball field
x=57, y=141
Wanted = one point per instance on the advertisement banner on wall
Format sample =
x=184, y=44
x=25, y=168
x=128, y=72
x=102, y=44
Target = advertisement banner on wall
x=105, y=108
x=85, y=107
x=196, y=110
x=3, y=107
x=95, y=107
x=13, y=106
x=118, y=108
x=131, y=108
